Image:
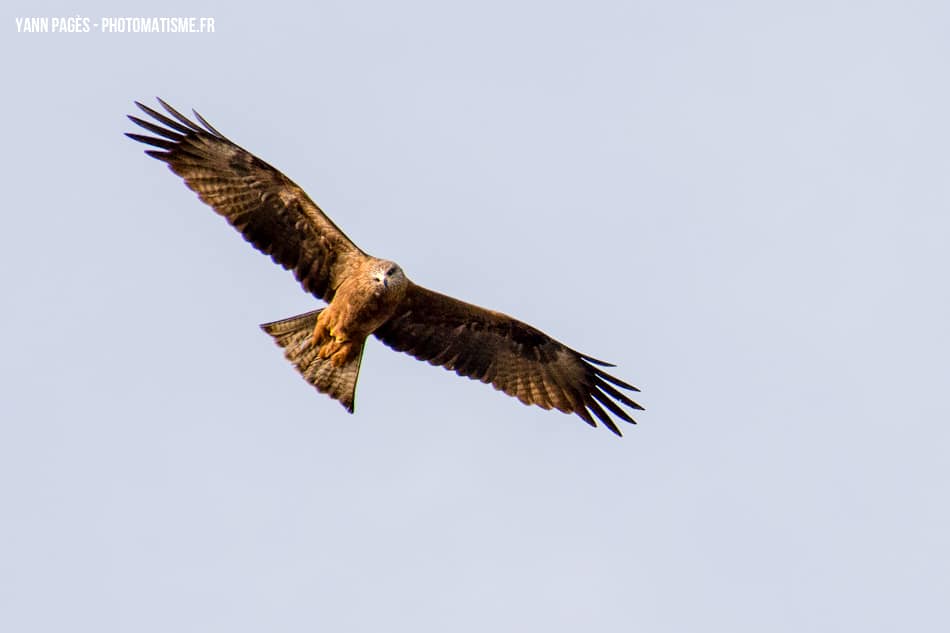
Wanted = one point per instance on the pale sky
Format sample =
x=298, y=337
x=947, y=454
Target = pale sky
x=744, y=205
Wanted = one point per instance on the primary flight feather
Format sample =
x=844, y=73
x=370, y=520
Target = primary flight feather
x=367, y=295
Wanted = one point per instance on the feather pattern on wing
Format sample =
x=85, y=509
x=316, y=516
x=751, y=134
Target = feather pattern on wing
x=514, y=357
x=273, y=213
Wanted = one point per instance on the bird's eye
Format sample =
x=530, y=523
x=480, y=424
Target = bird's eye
x=391, y=271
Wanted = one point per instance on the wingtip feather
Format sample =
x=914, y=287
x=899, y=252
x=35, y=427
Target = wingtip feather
x=162, y=156
x=596, y=361
x=205, y=123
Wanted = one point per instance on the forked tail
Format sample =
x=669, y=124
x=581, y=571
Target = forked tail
x=295, y=336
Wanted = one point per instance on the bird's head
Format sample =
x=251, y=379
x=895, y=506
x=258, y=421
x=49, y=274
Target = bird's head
x=388, y=275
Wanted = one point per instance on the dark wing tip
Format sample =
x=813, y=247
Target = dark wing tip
x=602, y=392
x=169, y=132
x=207, y=125
x=601, y=374
x=181, y=117
x=602, y=416
x=584, y=415
x=151, y=140
x=591, y=359
x=162, y=156
x=617, y=395
x=176, y=124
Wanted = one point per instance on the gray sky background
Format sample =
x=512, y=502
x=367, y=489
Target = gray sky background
x=744, y=205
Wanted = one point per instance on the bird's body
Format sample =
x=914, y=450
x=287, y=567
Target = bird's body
x=368, y=296
x=362, y=302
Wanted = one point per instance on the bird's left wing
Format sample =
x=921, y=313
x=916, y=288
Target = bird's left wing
x=273, y=213
x=514, y=357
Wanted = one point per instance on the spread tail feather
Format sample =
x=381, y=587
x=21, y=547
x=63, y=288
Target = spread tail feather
x=295, y=336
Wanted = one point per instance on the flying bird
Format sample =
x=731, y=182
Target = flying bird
x=366, y=295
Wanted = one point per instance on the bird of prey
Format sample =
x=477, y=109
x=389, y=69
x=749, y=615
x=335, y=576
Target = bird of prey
x=367, y=295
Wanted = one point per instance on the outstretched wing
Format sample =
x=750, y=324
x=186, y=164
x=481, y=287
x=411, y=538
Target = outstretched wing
x=513, y=356
x=272, y=213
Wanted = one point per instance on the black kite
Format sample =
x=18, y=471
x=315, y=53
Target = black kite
x=367, y=295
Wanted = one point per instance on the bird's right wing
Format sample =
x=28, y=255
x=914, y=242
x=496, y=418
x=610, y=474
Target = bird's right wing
x=270, y=211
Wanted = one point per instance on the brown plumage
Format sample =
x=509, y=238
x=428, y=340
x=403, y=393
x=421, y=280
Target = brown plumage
x=367, y=295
